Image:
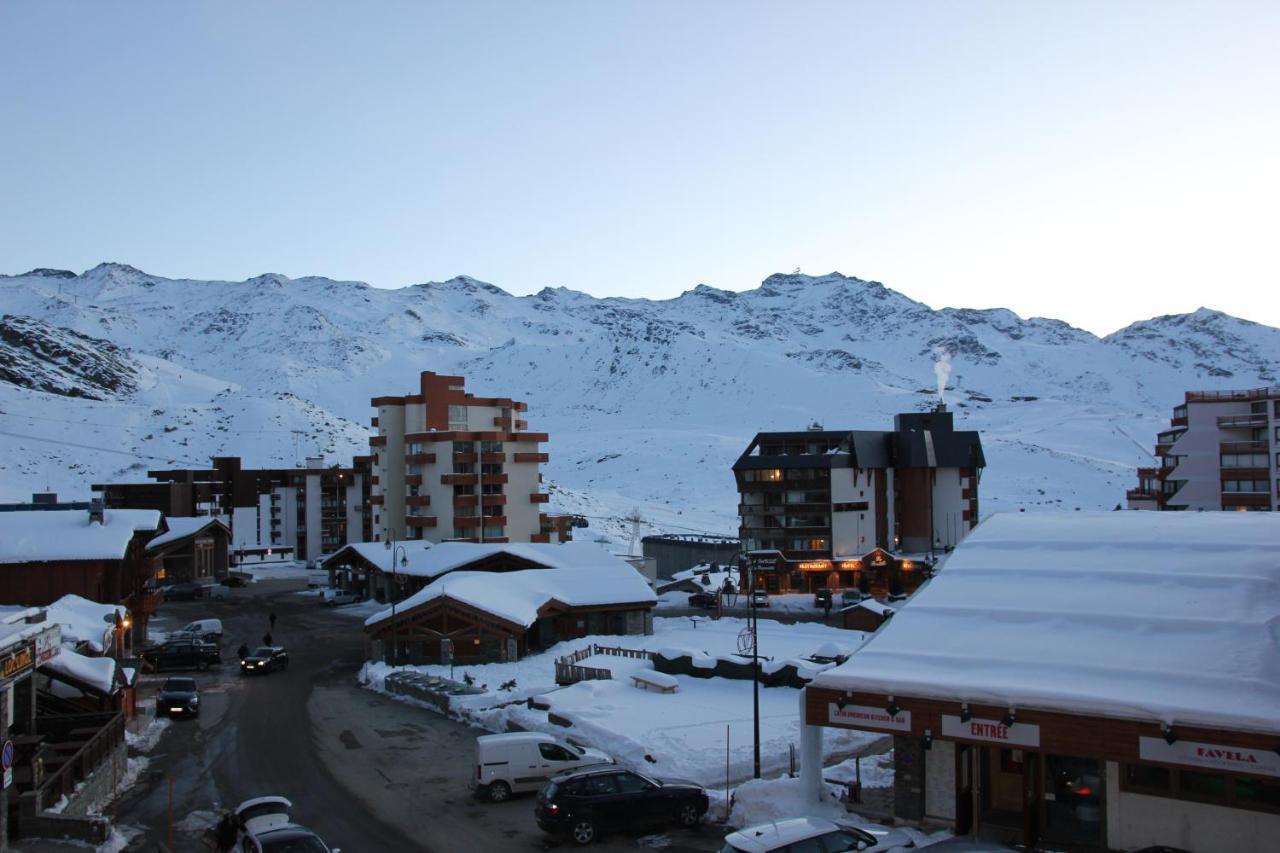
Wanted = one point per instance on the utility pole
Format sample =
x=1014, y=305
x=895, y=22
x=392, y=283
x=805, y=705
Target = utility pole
x=755, y=669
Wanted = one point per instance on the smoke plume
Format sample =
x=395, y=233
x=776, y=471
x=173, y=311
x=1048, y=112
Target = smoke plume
x=942, y=370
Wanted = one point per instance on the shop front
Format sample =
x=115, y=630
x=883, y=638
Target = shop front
x=877, y=573
x=1069, y=782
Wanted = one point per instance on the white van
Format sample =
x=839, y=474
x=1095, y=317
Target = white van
x=524, y=761
x=209, y=630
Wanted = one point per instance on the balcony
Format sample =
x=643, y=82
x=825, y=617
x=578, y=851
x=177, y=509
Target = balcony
x=376, y=500
x=1243, y=447
x=500, y=421
x=1147, y=472
x=1233, y=500
x=420, y=458
x=413, y=480
x=420, y=520
x=1250, y=421
x=1179, y=421
x=493, y=457
x=464, y=459
x=465, y=501
x=417, y=500
x=539, y=498
x=467, y=521
x=1251, y=395
x=493, y=500
x=459, y=479
x=544, y=538
x=529, y=457
x=492, y=479
x=378, y=441
x=1141, y=495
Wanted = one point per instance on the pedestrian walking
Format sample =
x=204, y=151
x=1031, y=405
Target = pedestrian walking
x=272, y=618
x=243, y=651
x=266, y=639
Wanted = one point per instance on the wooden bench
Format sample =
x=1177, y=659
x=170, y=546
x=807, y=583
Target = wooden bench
x=651, y=680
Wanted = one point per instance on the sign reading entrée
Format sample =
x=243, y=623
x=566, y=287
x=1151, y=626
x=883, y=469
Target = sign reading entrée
x=991, y=731
x=1261, y=762
x=867, y=716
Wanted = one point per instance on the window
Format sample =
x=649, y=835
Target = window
x=1246, y=486
x=555, y=752
x=461, y=533
x=457, y=417
x=491, y=468
x=600, y=785
x=493, y=533
x=1242, y=792
x=630, y=783
x=464, y=447
x=1244, y=460
x=491, y=447
x=491, y=489
x=856, y=506
x=459, y=491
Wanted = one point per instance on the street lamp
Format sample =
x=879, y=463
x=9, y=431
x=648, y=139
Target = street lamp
x=391, y=546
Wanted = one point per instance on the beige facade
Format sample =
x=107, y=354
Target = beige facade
x=452, y=466
x=1221, y=452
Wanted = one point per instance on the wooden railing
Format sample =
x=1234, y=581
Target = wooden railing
x=85, y=759
x=568, y=671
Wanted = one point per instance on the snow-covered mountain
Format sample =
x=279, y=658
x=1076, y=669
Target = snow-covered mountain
x=111, y=372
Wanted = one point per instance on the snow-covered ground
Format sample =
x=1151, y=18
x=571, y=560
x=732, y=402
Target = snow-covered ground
x=274, y=571
x=689, y=734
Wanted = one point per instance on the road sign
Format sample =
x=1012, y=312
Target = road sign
x=6, y=757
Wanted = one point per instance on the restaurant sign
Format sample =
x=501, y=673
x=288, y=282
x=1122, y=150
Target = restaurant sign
x=1261, y=762
x=991, y=731
x=868, y=716
x=47, y=644
x=17, y=662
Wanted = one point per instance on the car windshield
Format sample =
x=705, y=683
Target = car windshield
x=187, y=684
x=263, y=652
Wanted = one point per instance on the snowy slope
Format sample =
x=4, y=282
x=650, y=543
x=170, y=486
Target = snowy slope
x=647, y=402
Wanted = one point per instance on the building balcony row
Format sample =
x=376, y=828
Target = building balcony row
x=467, y=521
x=1250, y=421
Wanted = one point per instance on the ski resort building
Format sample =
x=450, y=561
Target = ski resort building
x=451, y=466
x=814, y=504
x=478, y=603
x=1091, y=680
x=309, y=511
x=1221, y=452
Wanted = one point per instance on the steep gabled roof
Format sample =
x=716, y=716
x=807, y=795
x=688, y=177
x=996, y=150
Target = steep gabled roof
x=41, y=536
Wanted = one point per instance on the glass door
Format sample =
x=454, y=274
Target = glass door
x=1073, y=800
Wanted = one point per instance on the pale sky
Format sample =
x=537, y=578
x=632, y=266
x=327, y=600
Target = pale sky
x=1097, y=162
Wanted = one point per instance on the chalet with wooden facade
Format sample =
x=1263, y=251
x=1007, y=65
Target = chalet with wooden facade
x=100, y=555
x=485, y=603
x=1103, y=680
x=193, y=550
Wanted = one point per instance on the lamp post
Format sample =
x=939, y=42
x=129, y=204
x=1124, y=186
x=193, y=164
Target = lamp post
x=395, y=583
x=753, y=622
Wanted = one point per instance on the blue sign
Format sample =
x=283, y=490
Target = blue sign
x=6, y=759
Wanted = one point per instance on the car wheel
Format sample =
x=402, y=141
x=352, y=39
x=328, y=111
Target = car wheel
x=582, y=831
x=499, y=792
x=688, y=815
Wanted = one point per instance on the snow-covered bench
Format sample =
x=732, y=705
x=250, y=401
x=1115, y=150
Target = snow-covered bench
x=660, y=681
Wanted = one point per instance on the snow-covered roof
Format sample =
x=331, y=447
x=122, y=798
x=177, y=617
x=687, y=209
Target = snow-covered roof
x=84, y=621
x=181, y=528
x=424, y=559
x=518, y=595
x=871, y=604
x=15, y=631
x=37, y=536
x=97, y=673
x=1170, y=617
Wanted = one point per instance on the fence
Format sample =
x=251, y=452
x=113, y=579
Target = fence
x=569, y=672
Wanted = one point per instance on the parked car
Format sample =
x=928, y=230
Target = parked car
x=852, y=596
x=584, y=804
x=759, y=598
x=265, y=659
x=235, y=579
x=208, y=630
x=524, y=761
x=182, y=654
x=816, y=834
x=822, y=597
x=266, y=827
x=705, y=600
x=179, y=697
x=183, y=592
x=334, y=597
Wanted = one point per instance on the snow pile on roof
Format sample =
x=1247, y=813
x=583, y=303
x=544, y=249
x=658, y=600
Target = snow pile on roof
x=97, y=673
x=36, y=536
x=422, y=559
x=182, y=527
x=14, y=631
x=1170, y=617
x=874, y=606
x=84, y=621
x=518, y=596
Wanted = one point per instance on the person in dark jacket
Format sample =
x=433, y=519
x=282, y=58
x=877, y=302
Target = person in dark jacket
x=266, y=639
x=243, y=651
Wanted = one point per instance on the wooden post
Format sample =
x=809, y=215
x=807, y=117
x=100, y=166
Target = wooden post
x=170, y=811
x=726, y=773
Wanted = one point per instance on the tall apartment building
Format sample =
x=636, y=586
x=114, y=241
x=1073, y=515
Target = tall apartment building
x=1221, y=451
x=313, y=510
x=451, y=466
x=823, y=496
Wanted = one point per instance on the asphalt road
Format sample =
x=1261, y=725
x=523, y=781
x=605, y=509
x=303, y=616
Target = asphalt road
x=365, y=772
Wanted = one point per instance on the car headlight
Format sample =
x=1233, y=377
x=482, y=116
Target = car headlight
x=195, y=700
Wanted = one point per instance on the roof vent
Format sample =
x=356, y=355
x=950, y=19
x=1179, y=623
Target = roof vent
x=96, y=511
x=815, y=426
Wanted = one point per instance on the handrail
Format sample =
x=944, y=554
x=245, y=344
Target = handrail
x=85, y=760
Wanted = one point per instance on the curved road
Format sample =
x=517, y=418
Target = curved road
x=366, y=772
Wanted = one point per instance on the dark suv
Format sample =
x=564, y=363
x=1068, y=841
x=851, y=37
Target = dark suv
x=182, y=654
x=584, y=804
